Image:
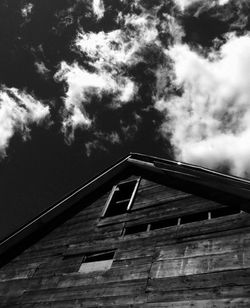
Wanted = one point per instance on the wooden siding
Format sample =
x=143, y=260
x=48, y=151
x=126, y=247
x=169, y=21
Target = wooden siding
x=200, y=264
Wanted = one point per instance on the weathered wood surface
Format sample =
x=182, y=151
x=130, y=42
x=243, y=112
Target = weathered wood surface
x=199, y=264
x=221, y=303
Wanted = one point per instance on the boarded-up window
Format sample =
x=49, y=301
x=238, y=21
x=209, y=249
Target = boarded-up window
x=121, y=198
x=97, y=262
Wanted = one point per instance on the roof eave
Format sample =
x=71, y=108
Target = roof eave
x=196, y=174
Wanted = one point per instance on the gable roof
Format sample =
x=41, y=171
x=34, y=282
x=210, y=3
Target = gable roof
x=192, y=173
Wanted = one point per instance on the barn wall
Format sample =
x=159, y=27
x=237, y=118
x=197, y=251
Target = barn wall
x=200, y=264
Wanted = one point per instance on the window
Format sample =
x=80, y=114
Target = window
x=164, y=224
x=194, y=217
x=121, y=198
x=150, y=226
x=97, y=262
x=136, y=229
x=224, y=212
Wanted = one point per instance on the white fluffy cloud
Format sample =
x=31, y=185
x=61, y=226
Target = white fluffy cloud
x=98, y=8
x=110, y=54
x=185, y=3
x=18, y=110
x=118, y=47
x=222, y=2
x=81, y=85
x=210, y=121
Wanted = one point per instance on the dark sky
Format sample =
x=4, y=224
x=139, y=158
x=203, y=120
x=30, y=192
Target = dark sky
x=83, y=83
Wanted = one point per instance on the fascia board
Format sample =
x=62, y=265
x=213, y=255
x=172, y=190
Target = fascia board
x=229, y=184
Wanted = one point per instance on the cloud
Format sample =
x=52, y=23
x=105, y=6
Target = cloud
x=111, y=50
x=41, y=68
x=98, y=8
x=93, y=145
x=223, y=2
x=18, y=110
x=113, y=137
x=209, y=122
x=109, y=55
x=81, y=85
x=27, y=10
x=183, y=4
x=101, y=138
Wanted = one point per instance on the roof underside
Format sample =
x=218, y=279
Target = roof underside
x=191, y=173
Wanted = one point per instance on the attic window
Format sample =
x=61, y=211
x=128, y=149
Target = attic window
x=224, y=212
x=97, y=262
x=121, y=198
x=194, y=217
x=136, y=229
x=164, y=224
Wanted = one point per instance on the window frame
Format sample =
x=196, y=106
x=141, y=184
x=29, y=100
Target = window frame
x=114, y=189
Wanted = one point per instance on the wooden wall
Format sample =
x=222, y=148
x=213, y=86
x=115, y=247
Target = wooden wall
x=200, y=264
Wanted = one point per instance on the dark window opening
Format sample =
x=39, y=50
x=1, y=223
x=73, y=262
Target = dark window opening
x=164, y=223
x=194, y=217
x=135, y=229
x=121, y=198
x=224, y=212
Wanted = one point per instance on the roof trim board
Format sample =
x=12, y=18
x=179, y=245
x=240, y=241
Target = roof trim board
x=233, y=185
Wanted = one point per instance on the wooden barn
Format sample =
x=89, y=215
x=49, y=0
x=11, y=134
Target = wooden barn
x=147, y=232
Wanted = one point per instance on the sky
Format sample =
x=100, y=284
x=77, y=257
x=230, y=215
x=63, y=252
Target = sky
x=85, y=82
